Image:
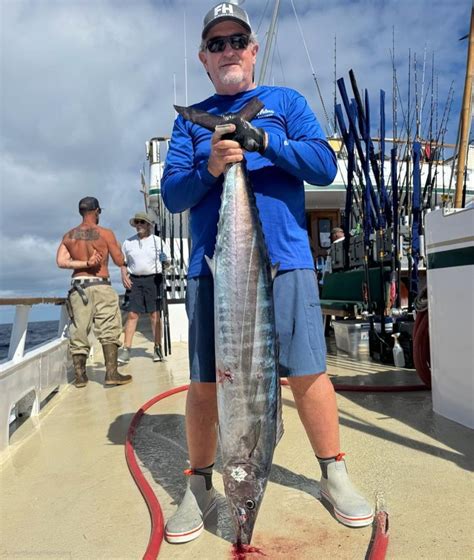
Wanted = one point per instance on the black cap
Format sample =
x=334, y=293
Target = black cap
x=88, y=204
x=225, y=11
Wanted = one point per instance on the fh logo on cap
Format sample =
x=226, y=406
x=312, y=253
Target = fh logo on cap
x=223, y=9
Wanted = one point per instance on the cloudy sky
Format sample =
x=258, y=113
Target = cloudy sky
x=84, y=83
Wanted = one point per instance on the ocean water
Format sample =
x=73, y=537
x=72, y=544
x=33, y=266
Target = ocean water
x=38, y=333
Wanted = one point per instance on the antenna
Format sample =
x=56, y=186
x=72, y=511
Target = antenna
x=328, y=120
x=185, y=64
x=268, y=44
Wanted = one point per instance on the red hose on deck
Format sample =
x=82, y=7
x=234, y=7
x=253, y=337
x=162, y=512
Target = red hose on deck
x=156, y=514
x=380, y=542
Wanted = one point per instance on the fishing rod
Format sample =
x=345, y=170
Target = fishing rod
x=164, y=290
x=440, y=144
x=435, y=146
x=380, y=222
x=348, y=137
x=385, y=200
x=445, y=127
x=163, y=286
x=181, y=257
x=445, y=117
x=408, y=194
x=383, y=210
x=360, y=152
x=430, y=179
x=416, y=225
x=364, y=133
x=423, y=84
x=417, y=105
x=417, y=237
x=386, y=205
x=396, y=261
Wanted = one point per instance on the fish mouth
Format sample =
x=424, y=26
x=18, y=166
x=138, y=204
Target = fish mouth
x=243, y=537
x=244, y=525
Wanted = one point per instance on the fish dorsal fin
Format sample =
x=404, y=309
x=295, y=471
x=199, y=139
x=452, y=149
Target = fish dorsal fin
x=250, y=440
x=211, y=263
x=206, y=120
x=251, y=109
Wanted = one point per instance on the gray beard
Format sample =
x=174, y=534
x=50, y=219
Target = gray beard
x=231, y=78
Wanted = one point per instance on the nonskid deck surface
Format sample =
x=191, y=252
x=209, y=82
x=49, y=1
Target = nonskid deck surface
x=66, y=491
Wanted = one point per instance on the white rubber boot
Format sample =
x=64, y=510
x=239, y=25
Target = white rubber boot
x=188, y=521
x=350, y=507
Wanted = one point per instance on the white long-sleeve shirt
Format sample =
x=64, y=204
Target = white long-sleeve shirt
x=143, y=254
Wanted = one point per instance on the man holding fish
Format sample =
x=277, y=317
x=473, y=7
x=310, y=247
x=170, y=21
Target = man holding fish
x=231, y=319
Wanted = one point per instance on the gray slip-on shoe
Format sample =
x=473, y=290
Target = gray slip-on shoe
x=350, y=507
x=187, y=523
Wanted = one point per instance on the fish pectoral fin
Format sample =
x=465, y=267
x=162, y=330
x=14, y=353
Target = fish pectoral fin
x=249, y=441
x=280, y=429
x=275, y=268
x=211, y=263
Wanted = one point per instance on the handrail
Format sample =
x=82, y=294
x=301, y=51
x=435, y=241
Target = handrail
x=32, y=301
x=16, y=349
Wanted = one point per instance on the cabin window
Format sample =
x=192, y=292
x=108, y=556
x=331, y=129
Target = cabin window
x=324, y=232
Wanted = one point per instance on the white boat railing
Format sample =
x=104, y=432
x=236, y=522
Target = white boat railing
x=29, y=377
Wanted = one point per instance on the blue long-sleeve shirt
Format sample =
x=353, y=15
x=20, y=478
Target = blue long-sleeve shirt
x=297, y=151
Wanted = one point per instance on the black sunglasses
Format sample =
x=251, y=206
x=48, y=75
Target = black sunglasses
x=140, y=222
x=237, y=42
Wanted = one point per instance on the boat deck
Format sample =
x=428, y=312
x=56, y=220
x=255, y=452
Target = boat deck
x=66, y=491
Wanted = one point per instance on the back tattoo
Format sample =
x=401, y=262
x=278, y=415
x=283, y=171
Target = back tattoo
x=84, y=234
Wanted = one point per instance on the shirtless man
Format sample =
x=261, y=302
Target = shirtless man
x=92, y=301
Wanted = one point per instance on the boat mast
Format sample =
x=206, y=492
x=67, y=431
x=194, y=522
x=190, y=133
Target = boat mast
x=465, y=120
x=268, y=44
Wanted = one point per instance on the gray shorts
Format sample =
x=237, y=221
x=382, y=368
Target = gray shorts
x=298, y=320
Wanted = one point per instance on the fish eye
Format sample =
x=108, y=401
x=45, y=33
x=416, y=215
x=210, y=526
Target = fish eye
x=249, y=504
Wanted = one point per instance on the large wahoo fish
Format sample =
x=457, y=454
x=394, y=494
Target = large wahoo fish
x=248, y=389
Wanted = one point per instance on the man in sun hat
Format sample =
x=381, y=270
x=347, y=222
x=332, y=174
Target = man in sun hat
x=146, y=255
x=92, y=301
x=284, y=146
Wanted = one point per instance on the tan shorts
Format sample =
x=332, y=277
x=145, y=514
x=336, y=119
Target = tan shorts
x=101, y=312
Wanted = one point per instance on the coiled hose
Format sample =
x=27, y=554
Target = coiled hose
x=421, y=339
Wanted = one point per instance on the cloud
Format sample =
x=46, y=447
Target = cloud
x=85, y=83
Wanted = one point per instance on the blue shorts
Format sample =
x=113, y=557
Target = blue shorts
x=298, y=320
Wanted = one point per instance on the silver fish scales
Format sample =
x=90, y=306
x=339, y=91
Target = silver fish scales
x=248, y=389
